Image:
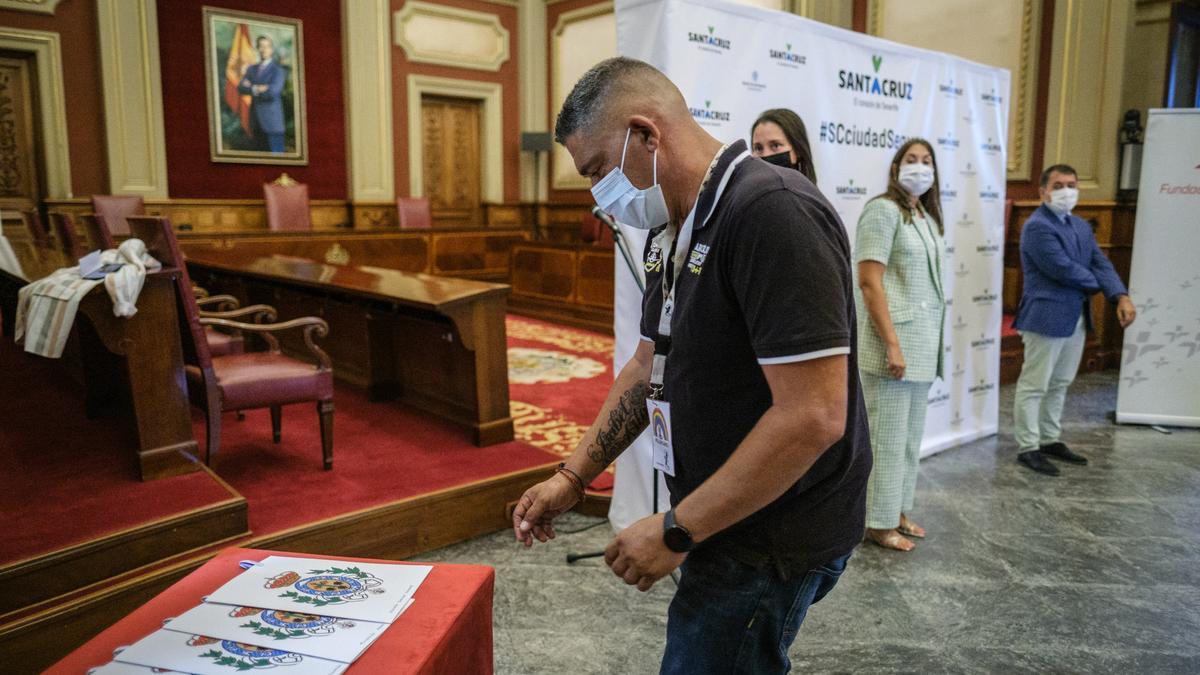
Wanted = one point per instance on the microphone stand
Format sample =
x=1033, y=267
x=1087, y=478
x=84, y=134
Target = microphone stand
x=641, y=283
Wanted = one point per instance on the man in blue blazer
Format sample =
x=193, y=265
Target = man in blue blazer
x=264, y=82
x=1063, y=267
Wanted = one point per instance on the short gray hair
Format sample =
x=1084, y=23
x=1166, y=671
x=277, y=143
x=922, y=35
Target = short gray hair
x=593, y=91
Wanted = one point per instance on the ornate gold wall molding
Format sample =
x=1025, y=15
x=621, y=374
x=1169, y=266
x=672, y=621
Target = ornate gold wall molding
x=222, y=215
x=450, y=36
x=47, y=50
x=35, y=6
x=133, y=108
x=371, y=167
x=491, y=138
x=600, y=22
x=1086, y=76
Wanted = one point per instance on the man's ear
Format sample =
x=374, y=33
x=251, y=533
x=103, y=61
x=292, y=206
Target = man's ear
x=646, y=131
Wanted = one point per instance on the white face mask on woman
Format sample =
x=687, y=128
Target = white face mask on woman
x=641, y=209
x=1063, y=200
x=916, y=178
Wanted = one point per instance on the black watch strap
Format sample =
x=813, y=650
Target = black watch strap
x=675, y=536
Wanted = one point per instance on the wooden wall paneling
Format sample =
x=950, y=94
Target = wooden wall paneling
x=594, y=286
x=545, y=273
x=468, y=254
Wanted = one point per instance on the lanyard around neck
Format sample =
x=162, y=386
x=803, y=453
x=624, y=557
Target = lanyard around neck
x=678, y=247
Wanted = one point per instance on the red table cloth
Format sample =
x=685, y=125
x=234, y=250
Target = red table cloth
x=448, y=628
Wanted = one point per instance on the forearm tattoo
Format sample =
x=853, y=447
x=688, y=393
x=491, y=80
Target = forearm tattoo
x=626, y=421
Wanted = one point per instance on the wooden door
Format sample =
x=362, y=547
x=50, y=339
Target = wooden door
x=20, y=161
x=452, y=160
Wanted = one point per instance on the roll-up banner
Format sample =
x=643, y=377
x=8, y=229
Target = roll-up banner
x=1160, y=364
x=860, y=97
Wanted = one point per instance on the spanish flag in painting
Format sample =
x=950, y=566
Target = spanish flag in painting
x=241, y=56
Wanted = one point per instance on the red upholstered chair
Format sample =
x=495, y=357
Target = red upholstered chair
x=413, y=213
x=287, y=205
x=73, y=248
x=114, y=209
x=242, y=381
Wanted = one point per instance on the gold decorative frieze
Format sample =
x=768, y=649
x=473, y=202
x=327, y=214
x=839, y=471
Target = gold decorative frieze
x=450, y=36
x=35, y=6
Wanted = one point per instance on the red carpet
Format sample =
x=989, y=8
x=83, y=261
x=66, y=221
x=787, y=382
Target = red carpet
x=64, y=474
x=382, y=452
x=558, y=379
x=75, y=479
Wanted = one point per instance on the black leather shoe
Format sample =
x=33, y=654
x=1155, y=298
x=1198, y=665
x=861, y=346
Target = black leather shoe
x=1034, y=459
x=1061, y=451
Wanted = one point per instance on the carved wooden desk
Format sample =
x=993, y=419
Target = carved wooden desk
x=436, y=343
x=151, y=362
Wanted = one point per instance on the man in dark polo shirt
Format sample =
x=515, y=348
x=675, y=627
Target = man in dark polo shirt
x=746, y=375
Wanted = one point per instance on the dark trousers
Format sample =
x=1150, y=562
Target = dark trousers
x=728, y=617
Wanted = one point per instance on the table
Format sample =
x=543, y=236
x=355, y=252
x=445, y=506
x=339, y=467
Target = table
x=152, y=364
x=448, y=628
x=436, y=343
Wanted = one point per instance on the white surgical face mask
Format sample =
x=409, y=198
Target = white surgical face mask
x=642, y=209
x=1063, y=200
x=916, y=178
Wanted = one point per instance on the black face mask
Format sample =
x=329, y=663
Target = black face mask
x=783, y=159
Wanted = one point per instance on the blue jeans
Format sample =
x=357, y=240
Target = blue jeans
x=728, y=617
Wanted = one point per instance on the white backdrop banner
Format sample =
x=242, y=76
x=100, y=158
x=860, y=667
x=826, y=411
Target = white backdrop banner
x=1160, y=366
x=860, y=97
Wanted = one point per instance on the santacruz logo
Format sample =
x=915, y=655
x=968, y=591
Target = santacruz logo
x=991, y=98
x=871, y=83
x=709, y=40
x=707, y=114
x=950, y=89
x=851, y=191
x=984, y=298
x=959, y=371
x=982, y=388
x=968, y=172
x=949, y=193
x=948, y=142
x=786, y=57
x=939, y=399
x=983, y=342
x=959, y=322
x=989, y=194
x=962, y=270
x=990, y=147
x=988, y=248
x=965, y=221
x=949, y=251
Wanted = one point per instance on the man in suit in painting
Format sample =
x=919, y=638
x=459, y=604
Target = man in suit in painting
x=264, y=82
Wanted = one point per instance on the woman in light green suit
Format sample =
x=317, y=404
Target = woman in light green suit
x=901, y=309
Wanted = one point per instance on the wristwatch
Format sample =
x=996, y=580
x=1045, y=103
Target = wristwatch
x=675, y=536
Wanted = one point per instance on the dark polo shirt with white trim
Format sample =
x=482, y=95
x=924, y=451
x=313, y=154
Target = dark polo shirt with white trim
x=767, y=281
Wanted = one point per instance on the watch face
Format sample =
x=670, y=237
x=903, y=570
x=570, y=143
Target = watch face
x=678, y=539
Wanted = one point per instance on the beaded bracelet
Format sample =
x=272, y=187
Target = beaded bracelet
x=573, y=478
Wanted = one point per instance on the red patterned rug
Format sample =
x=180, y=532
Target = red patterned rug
x=558, y=378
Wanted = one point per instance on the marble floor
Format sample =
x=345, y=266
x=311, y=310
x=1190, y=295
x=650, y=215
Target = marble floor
x=1095, y=571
